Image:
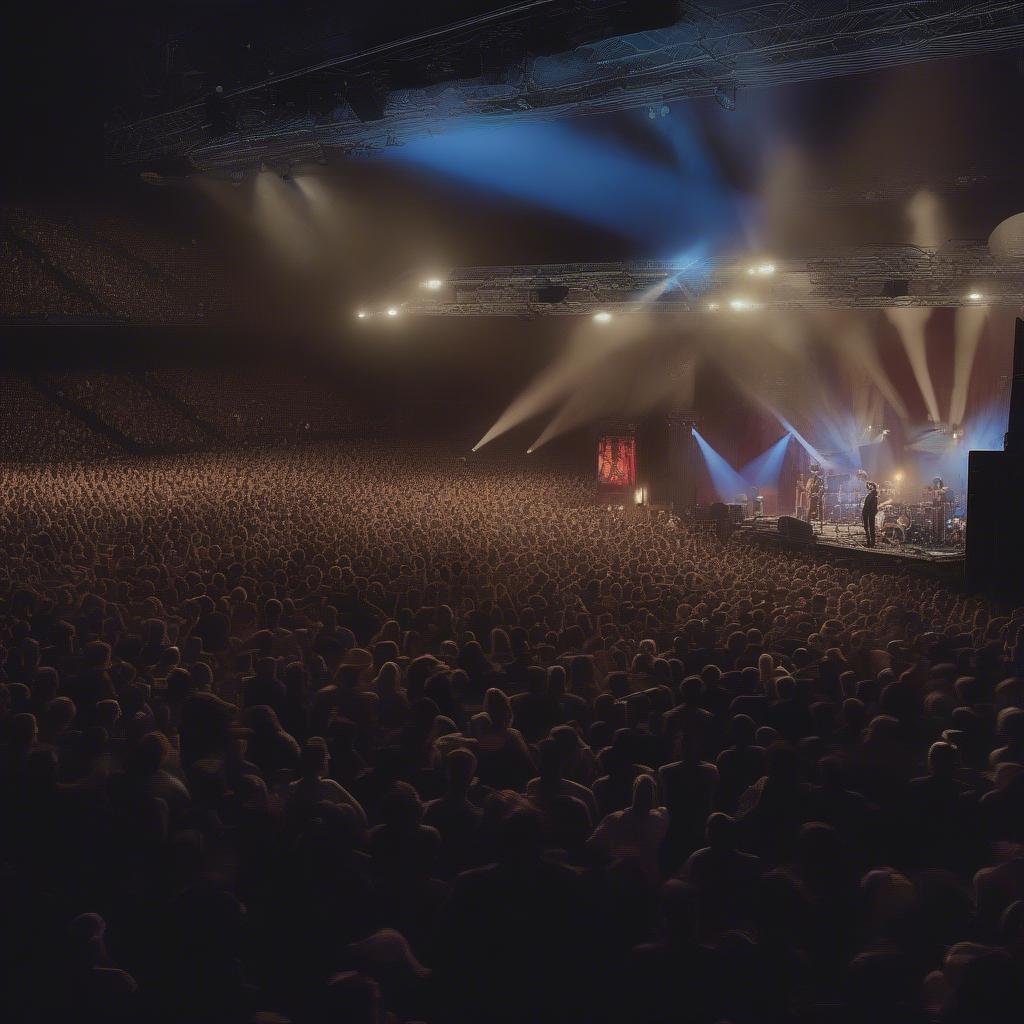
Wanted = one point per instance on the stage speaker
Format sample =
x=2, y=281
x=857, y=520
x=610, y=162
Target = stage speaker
x=995, y=551
x=718, y=513
x=553, y=293
x=1013, y=442
x=895, y=288
x=995, y=497
x=796, y=530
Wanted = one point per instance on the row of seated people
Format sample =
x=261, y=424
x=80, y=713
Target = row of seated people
x=260, y=407
x=33, y=428
x=118, y=284
x=364, y=734
x=190, y=269
x=125, y=403
x=29, y=289
x=218, y=408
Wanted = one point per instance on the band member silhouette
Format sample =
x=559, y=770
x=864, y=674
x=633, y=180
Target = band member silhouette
x=801, y=497
x=870, y=511
x=816, y=496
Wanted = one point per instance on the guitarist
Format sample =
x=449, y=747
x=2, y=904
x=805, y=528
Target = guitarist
x=801, y=497
x=816, y=496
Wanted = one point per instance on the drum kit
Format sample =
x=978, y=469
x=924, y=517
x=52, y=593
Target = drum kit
x=931, y=521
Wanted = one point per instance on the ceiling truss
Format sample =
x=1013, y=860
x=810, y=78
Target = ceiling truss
x=959, y=274
x=714, y=50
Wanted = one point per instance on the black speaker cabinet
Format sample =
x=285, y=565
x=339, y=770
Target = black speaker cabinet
x=995, y=515
x=793, y=529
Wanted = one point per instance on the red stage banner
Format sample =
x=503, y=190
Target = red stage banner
x=616, y=461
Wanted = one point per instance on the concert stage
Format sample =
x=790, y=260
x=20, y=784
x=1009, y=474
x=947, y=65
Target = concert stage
x=846, y=542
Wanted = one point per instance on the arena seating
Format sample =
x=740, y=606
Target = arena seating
x=77, y=264
x=264, y=407
x=33, y=428
x=123, y=402
x=27, y=289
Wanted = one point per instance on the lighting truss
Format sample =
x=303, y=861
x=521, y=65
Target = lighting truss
x=849, y=278
x=896, y=190
x=725, y=47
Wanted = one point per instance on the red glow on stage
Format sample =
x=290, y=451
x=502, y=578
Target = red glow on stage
x=616, y=461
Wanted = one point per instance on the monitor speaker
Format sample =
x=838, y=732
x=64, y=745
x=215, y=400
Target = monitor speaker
x=793, y=529
x=995, y=495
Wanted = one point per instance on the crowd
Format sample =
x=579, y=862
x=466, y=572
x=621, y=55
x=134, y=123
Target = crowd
x=165, y=411
x=112, y=276
x=184, y=263
x=260, y=407
x=134, y=410
x=27, y=289
x=370, y=734
x=33, y=428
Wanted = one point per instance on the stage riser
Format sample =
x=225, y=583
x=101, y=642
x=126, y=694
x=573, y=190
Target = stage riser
x=848, y=548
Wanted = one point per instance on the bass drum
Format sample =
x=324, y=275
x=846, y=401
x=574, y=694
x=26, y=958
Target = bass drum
x=894, y=533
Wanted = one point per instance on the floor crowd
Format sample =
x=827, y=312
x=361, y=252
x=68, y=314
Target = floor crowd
x=361, y=734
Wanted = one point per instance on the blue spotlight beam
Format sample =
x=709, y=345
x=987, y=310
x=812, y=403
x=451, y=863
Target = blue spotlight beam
x=767, y=467
x=726, y=481
x=983, y=431
x=801, y=440
x=584, y=176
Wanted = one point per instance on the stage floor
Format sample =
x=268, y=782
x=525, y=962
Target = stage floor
x=847, y=539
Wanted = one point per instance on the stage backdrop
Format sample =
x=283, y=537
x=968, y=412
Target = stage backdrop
x=616, y=461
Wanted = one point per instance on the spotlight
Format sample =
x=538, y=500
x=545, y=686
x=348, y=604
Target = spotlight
x=712, y=306
x=433, y=284
x=651, y=113
x=975, y=296
x=766, y=268
x=392, y=311
x=529, y=451
x=740, y=304
x=362, y=314
x=602, y=317
x=898, y=476
x=664, y=110
x=885, y=433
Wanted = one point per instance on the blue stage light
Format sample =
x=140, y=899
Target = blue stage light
x=764, y=471
x=727, y=482
x=594, y=179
